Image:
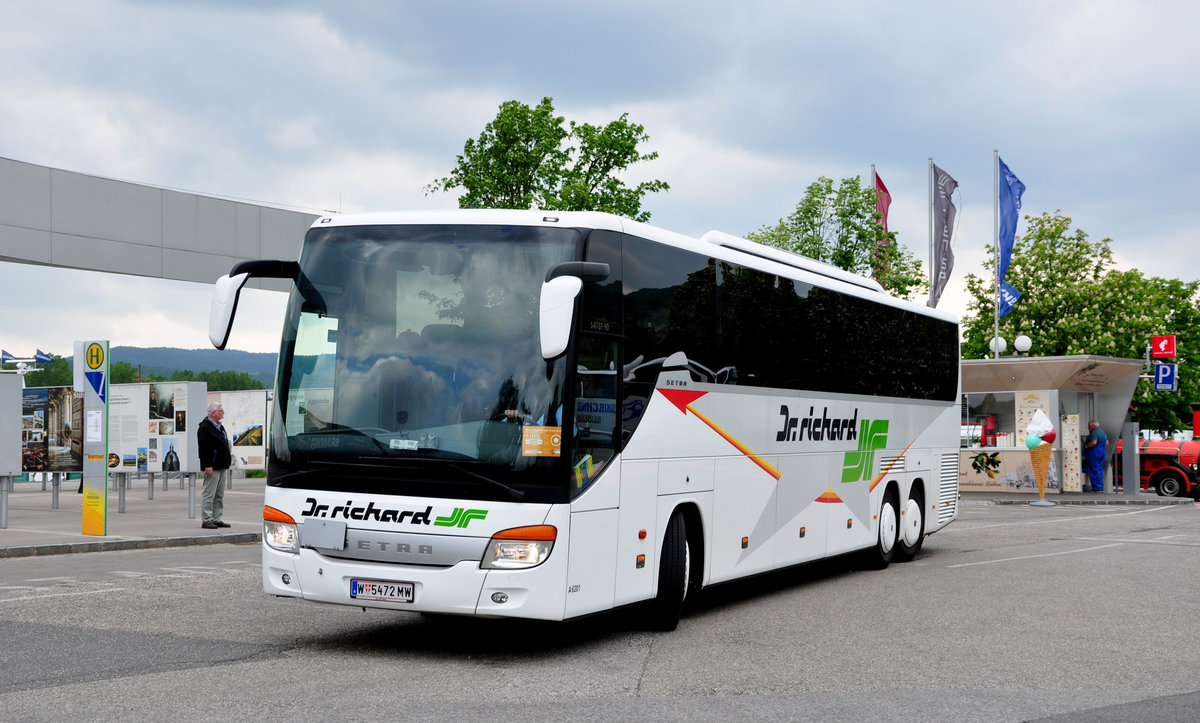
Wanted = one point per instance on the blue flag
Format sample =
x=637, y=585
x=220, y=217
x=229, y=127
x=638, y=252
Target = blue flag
x=5, y=357
x=1009, y=198
x=42, y=356
x=1008, y=298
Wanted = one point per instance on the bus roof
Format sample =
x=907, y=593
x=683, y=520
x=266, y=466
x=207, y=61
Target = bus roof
x=718, y=244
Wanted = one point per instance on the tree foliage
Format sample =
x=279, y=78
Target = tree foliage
x=59, y=372
x=840, y=226
x=527, y=158
x=1074, y=302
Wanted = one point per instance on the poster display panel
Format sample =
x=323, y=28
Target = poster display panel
x=51, y=430
x=10, y=425
x=245, y=422
x=151, y=426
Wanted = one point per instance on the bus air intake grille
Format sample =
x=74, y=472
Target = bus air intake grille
x=948, y=489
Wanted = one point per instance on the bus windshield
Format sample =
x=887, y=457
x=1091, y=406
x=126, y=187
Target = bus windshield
x=410, y=364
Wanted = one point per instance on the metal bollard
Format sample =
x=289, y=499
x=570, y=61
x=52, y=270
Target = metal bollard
x=191, y=494
x=55, y=484
x=150, y=488
x=166, y=480
x=121, y=491
x=5, y=485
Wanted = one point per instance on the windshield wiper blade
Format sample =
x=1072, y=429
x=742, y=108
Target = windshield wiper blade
x=516, y=493
x=342, y=429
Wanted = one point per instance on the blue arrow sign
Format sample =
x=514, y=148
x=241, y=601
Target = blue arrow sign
x=1165, y=377
x=96, y=379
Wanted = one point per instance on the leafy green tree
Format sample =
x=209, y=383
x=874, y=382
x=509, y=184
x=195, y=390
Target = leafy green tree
x=527, y=158
x=840, y=226
x=219, y=381
x=58, y=372
x=1074, y=302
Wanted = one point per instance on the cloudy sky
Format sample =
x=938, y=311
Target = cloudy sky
x=357, y=105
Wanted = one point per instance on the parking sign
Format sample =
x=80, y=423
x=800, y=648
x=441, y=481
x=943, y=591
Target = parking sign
x=1165, y=376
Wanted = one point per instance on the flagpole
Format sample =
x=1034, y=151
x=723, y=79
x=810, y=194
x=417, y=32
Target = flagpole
x=932, y=271
x=996, y=252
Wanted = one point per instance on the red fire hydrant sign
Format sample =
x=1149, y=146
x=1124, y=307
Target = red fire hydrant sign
x=1162, y=347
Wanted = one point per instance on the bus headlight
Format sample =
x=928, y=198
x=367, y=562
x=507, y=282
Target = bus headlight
x=519, y=547
x=279, y=531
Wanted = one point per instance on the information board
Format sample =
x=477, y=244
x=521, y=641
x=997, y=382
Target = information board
x=152, y=426
x=245, y=422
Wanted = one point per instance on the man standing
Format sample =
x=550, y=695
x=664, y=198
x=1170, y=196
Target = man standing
x=214, y=458
x=1094, y=455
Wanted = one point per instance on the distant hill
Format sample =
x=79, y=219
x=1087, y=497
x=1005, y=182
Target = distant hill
x=163, y=361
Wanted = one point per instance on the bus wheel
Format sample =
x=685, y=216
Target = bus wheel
x=1170, y=485
x=878, y=556
x=673, y=573
x=912, y=531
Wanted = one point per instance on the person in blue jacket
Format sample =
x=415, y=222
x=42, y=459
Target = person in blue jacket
x=215, y=457
x=1094, y=455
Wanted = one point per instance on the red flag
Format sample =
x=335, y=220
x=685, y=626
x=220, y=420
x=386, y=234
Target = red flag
x=884, y=199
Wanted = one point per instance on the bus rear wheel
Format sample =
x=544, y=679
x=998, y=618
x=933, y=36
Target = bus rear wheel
x=912, y=529
x=880, y=554
x=1170, y=485
x=673, y=573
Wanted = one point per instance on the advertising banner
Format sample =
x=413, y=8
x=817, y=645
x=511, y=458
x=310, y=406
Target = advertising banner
x=1009, y=470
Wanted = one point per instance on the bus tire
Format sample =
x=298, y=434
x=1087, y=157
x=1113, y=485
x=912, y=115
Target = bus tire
x=912, y=528
x=673, y=573
x=880, y=554
x=1170, y=484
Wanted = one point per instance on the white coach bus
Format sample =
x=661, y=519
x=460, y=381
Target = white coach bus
x=549, y=414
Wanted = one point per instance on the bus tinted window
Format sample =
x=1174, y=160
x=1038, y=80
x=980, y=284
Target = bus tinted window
x=739, y=325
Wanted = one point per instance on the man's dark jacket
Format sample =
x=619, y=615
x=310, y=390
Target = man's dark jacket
x=213, y=444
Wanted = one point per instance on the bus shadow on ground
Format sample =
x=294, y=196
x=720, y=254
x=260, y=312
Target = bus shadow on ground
x=453, y=636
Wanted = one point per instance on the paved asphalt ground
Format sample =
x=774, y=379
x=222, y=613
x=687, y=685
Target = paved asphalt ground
x=35, y=528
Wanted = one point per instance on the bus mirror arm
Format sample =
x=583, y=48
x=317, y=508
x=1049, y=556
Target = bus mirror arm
x=228, y=289
x=557, y=307
x=583, y=270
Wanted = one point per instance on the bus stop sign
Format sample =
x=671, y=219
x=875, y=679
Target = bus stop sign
x=1166, y=377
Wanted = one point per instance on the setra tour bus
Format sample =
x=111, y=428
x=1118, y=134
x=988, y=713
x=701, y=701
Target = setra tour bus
x=550, y=414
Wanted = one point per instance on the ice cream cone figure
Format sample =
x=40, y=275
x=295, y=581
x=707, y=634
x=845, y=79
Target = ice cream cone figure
x=1040, y=456
x=1041, y=434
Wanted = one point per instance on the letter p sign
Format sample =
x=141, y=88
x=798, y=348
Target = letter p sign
x=1165, y=377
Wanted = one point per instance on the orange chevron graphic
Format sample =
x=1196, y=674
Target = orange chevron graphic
x=829, y=497
x=683, y=398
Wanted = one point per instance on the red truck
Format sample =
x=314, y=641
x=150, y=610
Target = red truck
x=1170, y=468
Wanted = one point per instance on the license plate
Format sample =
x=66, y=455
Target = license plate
x=380, y=590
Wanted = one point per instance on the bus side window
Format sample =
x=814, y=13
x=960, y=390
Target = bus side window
x=595, y=408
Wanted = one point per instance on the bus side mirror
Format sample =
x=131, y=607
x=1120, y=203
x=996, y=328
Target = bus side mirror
x=228, y=289
x=556, y=312
x=224, y=305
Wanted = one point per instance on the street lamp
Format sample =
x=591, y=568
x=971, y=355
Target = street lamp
x=997, y=345
x=1022, y=344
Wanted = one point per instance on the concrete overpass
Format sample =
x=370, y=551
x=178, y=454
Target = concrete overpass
x=52, y=217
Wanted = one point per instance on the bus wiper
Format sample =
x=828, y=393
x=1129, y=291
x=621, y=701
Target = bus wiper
x=518, y=494
x=335, y=428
